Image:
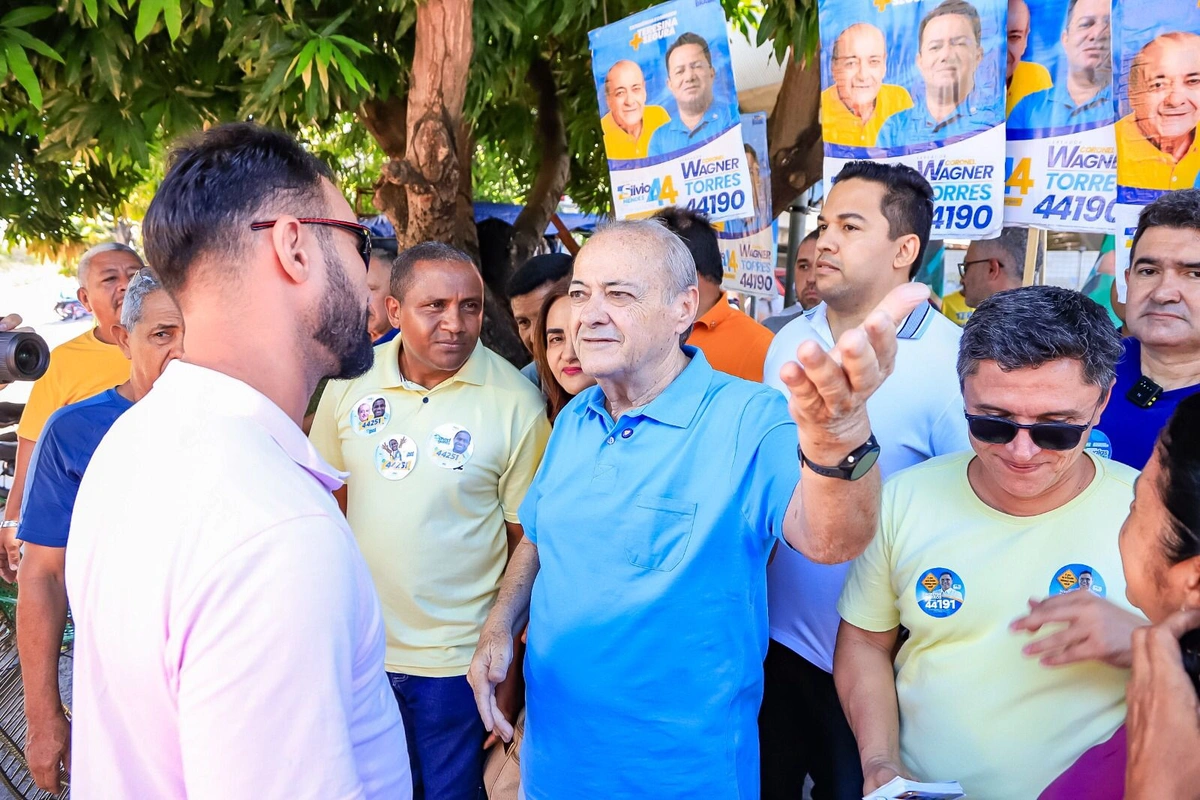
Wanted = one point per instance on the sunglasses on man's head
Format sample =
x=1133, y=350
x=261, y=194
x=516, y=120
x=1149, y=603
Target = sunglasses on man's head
x=361, y=231
x=1046, y=435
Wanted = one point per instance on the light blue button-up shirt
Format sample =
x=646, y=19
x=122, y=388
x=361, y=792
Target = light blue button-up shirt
x=1055, y=108
x=648, y=622
x=675, y=136
x=915, y=126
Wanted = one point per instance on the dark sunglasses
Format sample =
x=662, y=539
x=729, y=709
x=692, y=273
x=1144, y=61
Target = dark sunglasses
x=361, y=231
x=1046, y=435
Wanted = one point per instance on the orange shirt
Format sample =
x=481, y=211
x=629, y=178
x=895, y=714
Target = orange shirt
x=731, y=341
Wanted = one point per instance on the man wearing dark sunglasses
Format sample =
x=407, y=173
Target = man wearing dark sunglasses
x=967, y=540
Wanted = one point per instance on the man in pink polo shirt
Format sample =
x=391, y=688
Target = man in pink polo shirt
x=229, y=642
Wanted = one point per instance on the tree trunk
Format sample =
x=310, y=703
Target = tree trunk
x=387, y=122
x=794, y=131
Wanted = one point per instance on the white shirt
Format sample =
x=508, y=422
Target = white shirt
x=915, y=415
x=229, y=643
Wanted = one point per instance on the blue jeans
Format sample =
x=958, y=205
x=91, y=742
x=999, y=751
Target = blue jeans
x=445, y=736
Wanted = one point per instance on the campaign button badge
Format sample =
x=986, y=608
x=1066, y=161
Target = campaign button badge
x=370, y=415
x=1098, y=444
x=451, y=446
x=395, y=457
x=940, y=592
x=1077, y=578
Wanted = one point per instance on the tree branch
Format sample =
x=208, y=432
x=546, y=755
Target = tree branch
x=794, y=131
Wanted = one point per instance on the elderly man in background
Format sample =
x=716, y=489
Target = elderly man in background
x=1023, y=78
x=629, y=123
x=150, y=335
x=645, y=589
x=859, y=102
x=993, y=265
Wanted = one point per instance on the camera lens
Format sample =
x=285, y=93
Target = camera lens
x=24, y=356
x=27, y=357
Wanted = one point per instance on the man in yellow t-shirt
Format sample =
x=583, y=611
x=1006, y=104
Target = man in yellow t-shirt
x=441, y=438
x=1023, y=77
x=966, y=540
x=1157, y=146
x=80, y=368
x=629, y=123
x=859, y=102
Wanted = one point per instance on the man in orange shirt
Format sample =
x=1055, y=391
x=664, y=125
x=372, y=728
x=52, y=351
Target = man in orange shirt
x=730, y=340
x=80, y=368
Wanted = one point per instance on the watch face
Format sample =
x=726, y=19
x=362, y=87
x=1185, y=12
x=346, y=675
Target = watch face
x=865, y=463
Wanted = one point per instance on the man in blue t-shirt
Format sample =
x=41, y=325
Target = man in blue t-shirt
x=1161, y=364
x=150, y=335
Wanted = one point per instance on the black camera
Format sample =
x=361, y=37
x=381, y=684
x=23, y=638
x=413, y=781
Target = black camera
x=1189, y=643
x=24, y=356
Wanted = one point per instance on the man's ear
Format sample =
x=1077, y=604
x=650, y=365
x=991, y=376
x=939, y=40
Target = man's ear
x=393, y=310
x=121, y=337
x=287, y=238
x=906, y=255
x=82, y=296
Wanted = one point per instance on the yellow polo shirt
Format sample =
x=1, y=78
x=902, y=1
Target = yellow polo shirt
x=1142, y=165
x=955, y=308
x=620, y=146
x=839, y=125
x=434, y=475
x=731, y=341
x=1028, y=78
x=79, y=368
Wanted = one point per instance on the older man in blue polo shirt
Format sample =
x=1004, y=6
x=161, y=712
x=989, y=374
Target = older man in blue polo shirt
x=648, y=528
x=690, y=77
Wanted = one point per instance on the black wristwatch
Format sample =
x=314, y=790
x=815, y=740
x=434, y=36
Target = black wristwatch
x=853, y=466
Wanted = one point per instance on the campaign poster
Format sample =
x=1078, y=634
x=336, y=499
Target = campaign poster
x=1061, y=172
x=669, y=113
x=750, y=246
x=920, y=82
x=1157, y=63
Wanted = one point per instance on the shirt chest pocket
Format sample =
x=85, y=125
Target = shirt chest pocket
x=658, y=531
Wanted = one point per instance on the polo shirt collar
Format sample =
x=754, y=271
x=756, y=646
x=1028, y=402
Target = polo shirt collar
x=234, y=398
x=966, y=109
x=1059, y=94
x=473, y=372
x=676, y=405
x=913, y=326
x=720, y=312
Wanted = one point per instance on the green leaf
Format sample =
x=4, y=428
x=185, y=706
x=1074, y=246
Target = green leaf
x=115, y=5
x=303, y=59
x=324, y=55
x=356, y=47
x=289, y=7
x=173, y=16
x=33, y=43
x=337, y=22
x=23, y=72
x=93, y=10
x=148, y=11
x=3, y=64
x=349, y=71
x=25, y=16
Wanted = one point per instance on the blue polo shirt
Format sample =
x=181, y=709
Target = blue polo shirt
x=59, y=460
x=1126, y=432
x=675, y=136
x=648, y=622
x=1054, y=108
x=915, y=126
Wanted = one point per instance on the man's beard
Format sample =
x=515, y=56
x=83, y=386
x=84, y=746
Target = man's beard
x=342, y=323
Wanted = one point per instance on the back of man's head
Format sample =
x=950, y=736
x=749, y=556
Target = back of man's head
x=907, y=201
x=1028, y=327
x=695, y=231
x=217, y=184
x=1009, y=250
x=539, y=271
x=1180, y=209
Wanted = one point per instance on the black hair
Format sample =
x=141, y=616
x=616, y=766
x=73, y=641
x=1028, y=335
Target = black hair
x=1178, y=209
x=811, y=236
x=1179, y=485
x=698, y=234
x=1034, y=325
x=907, y=202
x=385, y=248
x=217, y=184
x=688, y=38
x=948, y=7
x=537, y=272
x=402, y=267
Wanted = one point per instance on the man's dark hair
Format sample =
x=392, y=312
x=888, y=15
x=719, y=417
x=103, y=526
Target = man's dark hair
x=907, y=202
x=1179, y=482
x=689, y=38
x=539, y=271
x=811, y=236
x=697, y=233
x=1033, y=325
x=946, y=8
x=402, y=267
x=1180, y=209
x=217, y=184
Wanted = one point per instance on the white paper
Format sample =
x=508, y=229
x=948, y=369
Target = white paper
x=901, y=789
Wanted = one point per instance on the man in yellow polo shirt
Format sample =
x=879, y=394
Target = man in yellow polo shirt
x=1156, y=144
x=80, y=368
x=732, y=341
x=859, y=102
x=1023, y=77
x=629, y=123
x=441, y=438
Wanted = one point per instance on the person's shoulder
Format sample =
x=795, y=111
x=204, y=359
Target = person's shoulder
x=939, y=331
x=654, y=115
x=1114, y=474
x=895, y=96
x=86, y=414
x=929, y=475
